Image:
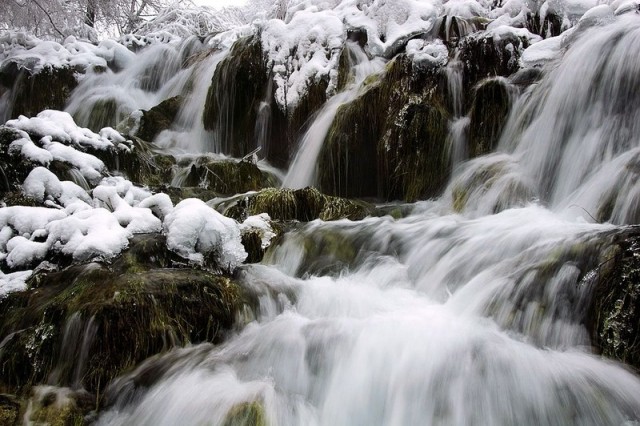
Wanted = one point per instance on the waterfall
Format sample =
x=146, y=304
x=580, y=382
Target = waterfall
x=438, y=318
x=573, y=137
x=302, y=171
x=459, y=124
x=104, y=98
x=187, y=133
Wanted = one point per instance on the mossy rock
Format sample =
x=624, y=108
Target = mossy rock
x=159, y=118
x=614, y=314
x=110, y=317
x=10, y=410
x=241, y=86
x=246, y=414
x=59, y=406
x=103, y=113
x=302, y=205
x=391, y=142
x=489, y=112
x=49, y=88
x=227, y=177
x=140, y=162
x=452, y=28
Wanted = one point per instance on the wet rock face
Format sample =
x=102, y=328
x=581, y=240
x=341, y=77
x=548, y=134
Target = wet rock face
x=489, y=111
x=234, y=96
x=241, y=92
x=614, y=319
x=390, y=142
x=227, y=177
x=86, y=324
x=32, y=93
x=485, y=57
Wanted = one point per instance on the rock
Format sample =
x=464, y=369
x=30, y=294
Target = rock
x=86, y=324
x=34, y=92
x=9, y=410
x=159, y=118
x=246, y=414
x=489, y=112
x=59, y=406
x=550, y=26
x=614, y=312
x=13, y=168
x=238, y=86
x=398, y=149
x=302, y=204
x=484, y=56
x=242, y=109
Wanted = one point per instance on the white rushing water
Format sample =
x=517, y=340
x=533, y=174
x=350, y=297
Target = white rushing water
x=302, y=170
x=441, y=318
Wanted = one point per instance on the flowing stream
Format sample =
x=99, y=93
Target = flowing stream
x=439, y=318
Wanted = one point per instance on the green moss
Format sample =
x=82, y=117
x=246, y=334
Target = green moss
x=247, y=414
x=302, y=204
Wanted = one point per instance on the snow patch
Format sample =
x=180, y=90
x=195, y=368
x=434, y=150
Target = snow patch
x=195, y=231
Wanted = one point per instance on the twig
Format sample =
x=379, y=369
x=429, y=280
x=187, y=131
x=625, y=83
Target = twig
x=50, y=19
x=585, y=210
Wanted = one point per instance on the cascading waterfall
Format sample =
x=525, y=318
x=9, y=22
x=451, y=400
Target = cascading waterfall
x=459, y=124
x=263, y=123
x=573, y=140
x=439, y=318
x=188, y=133
x=302, y=170
x=157, y=73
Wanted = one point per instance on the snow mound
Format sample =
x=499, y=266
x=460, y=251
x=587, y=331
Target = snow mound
x=16, y=281
x=428, y=54
x=196, y=231
x=259, y=224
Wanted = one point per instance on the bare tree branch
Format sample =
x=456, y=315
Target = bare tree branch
x=50, y=19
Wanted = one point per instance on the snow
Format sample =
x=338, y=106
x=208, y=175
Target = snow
x=429, y=54
x=302, y=51
x=540, y=53
x=30, y=151
x=260, y=224
x=16, y=281
x=88, y=234
x=61, y=127
x=195, y=231
x=43, y=185
x=134, y=219
x=160, y=204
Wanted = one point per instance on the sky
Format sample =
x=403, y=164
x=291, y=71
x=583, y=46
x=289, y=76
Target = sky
x=219, y=3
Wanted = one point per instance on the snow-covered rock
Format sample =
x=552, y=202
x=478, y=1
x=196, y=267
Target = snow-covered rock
x=195, y=231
